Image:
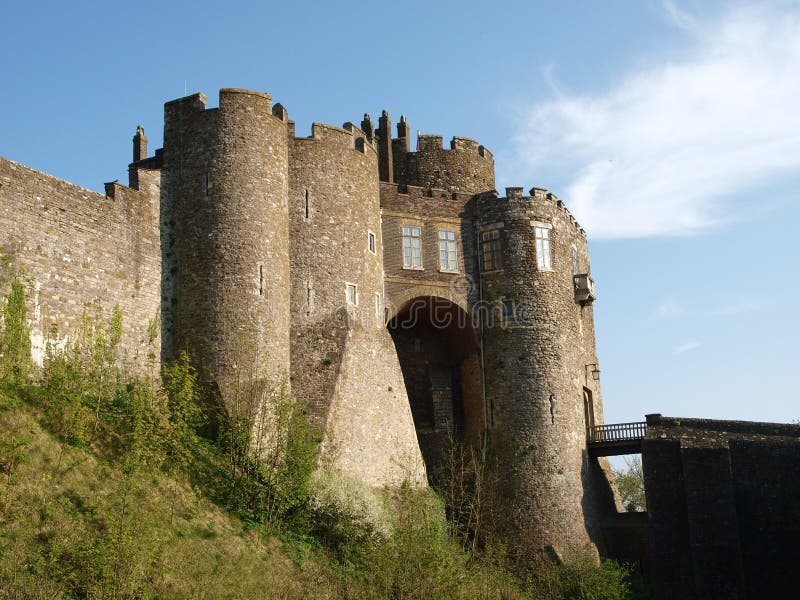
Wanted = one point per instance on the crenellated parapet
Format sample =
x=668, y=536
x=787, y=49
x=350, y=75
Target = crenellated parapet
x=424, y=201
x=465, y=166
x=346, y=137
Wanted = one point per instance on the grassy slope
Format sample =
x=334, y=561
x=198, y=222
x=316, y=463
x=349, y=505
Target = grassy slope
x=73, y=524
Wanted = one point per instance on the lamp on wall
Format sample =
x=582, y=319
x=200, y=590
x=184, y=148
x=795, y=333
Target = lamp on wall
x=595, y=371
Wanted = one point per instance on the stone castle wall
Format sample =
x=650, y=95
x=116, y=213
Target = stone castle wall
x=431, y=211
x=723, y=499
x=81, y=252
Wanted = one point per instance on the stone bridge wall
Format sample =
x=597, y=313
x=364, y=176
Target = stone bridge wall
x=723, y=499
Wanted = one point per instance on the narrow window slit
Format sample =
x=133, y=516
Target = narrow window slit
x=260, y=280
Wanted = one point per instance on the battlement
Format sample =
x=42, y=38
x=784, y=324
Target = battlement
x=236, y=91
x=228, y=98
x=465, y=166
x=416, y=192
x=196, y=101
x=537, y=196
x=425, y=202
x=349, y=136
x=8, y=167
x=435, y=143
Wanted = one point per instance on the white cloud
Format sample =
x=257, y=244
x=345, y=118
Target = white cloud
x=662, y=151
x=691, y=345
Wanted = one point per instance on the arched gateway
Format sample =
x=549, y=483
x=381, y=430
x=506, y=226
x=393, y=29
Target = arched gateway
x=439, y=351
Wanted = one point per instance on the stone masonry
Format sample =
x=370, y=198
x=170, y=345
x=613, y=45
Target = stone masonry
x=723, y=499
x=392, y=290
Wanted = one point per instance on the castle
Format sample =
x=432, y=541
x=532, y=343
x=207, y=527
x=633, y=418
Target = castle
x=392, y=290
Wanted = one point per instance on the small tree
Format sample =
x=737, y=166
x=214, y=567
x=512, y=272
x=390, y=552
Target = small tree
x=468, y=481
x=16, y=340
x=630, y=483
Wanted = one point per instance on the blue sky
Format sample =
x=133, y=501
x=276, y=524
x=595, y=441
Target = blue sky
x=670, y=129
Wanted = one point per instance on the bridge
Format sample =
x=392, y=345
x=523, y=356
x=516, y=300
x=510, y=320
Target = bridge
x=615, y=439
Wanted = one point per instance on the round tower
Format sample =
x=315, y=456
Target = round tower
x=465, y=167
x=540, y=370
x=226, y=189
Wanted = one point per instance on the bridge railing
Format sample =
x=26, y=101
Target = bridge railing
x=617, y=432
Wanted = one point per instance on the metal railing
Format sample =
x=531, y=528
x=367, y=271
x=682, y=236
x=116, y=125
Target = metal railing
x=617, y=432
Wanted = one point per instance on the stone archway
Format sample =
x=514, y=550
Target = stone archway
x=438, y=348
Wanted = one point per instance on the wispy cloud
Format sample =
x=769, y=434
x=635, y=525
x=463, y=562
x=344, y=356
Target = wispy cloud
x=680, y=17
x=669, y=308
x=691, y=345
x=736, y=308
x=663, y=150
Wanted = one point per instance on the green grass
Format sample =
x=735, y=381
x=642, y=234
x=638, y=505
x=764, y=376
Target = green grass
x=75, y=524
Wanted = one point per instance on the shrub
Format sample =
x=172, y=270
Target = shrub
x=15, y=344
x=580, y=577
x=345, y=510
x=179, y=380
x=468, y=481
x=418, y=560
x=271, y=446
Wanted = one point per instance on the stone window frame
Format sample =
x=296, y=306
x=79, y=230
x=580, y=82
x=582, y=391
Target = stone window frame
x=351, y=300
x=543, y=245
x=447, y=250
x=494, y=243
x=372, y=242
x=410, y=265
